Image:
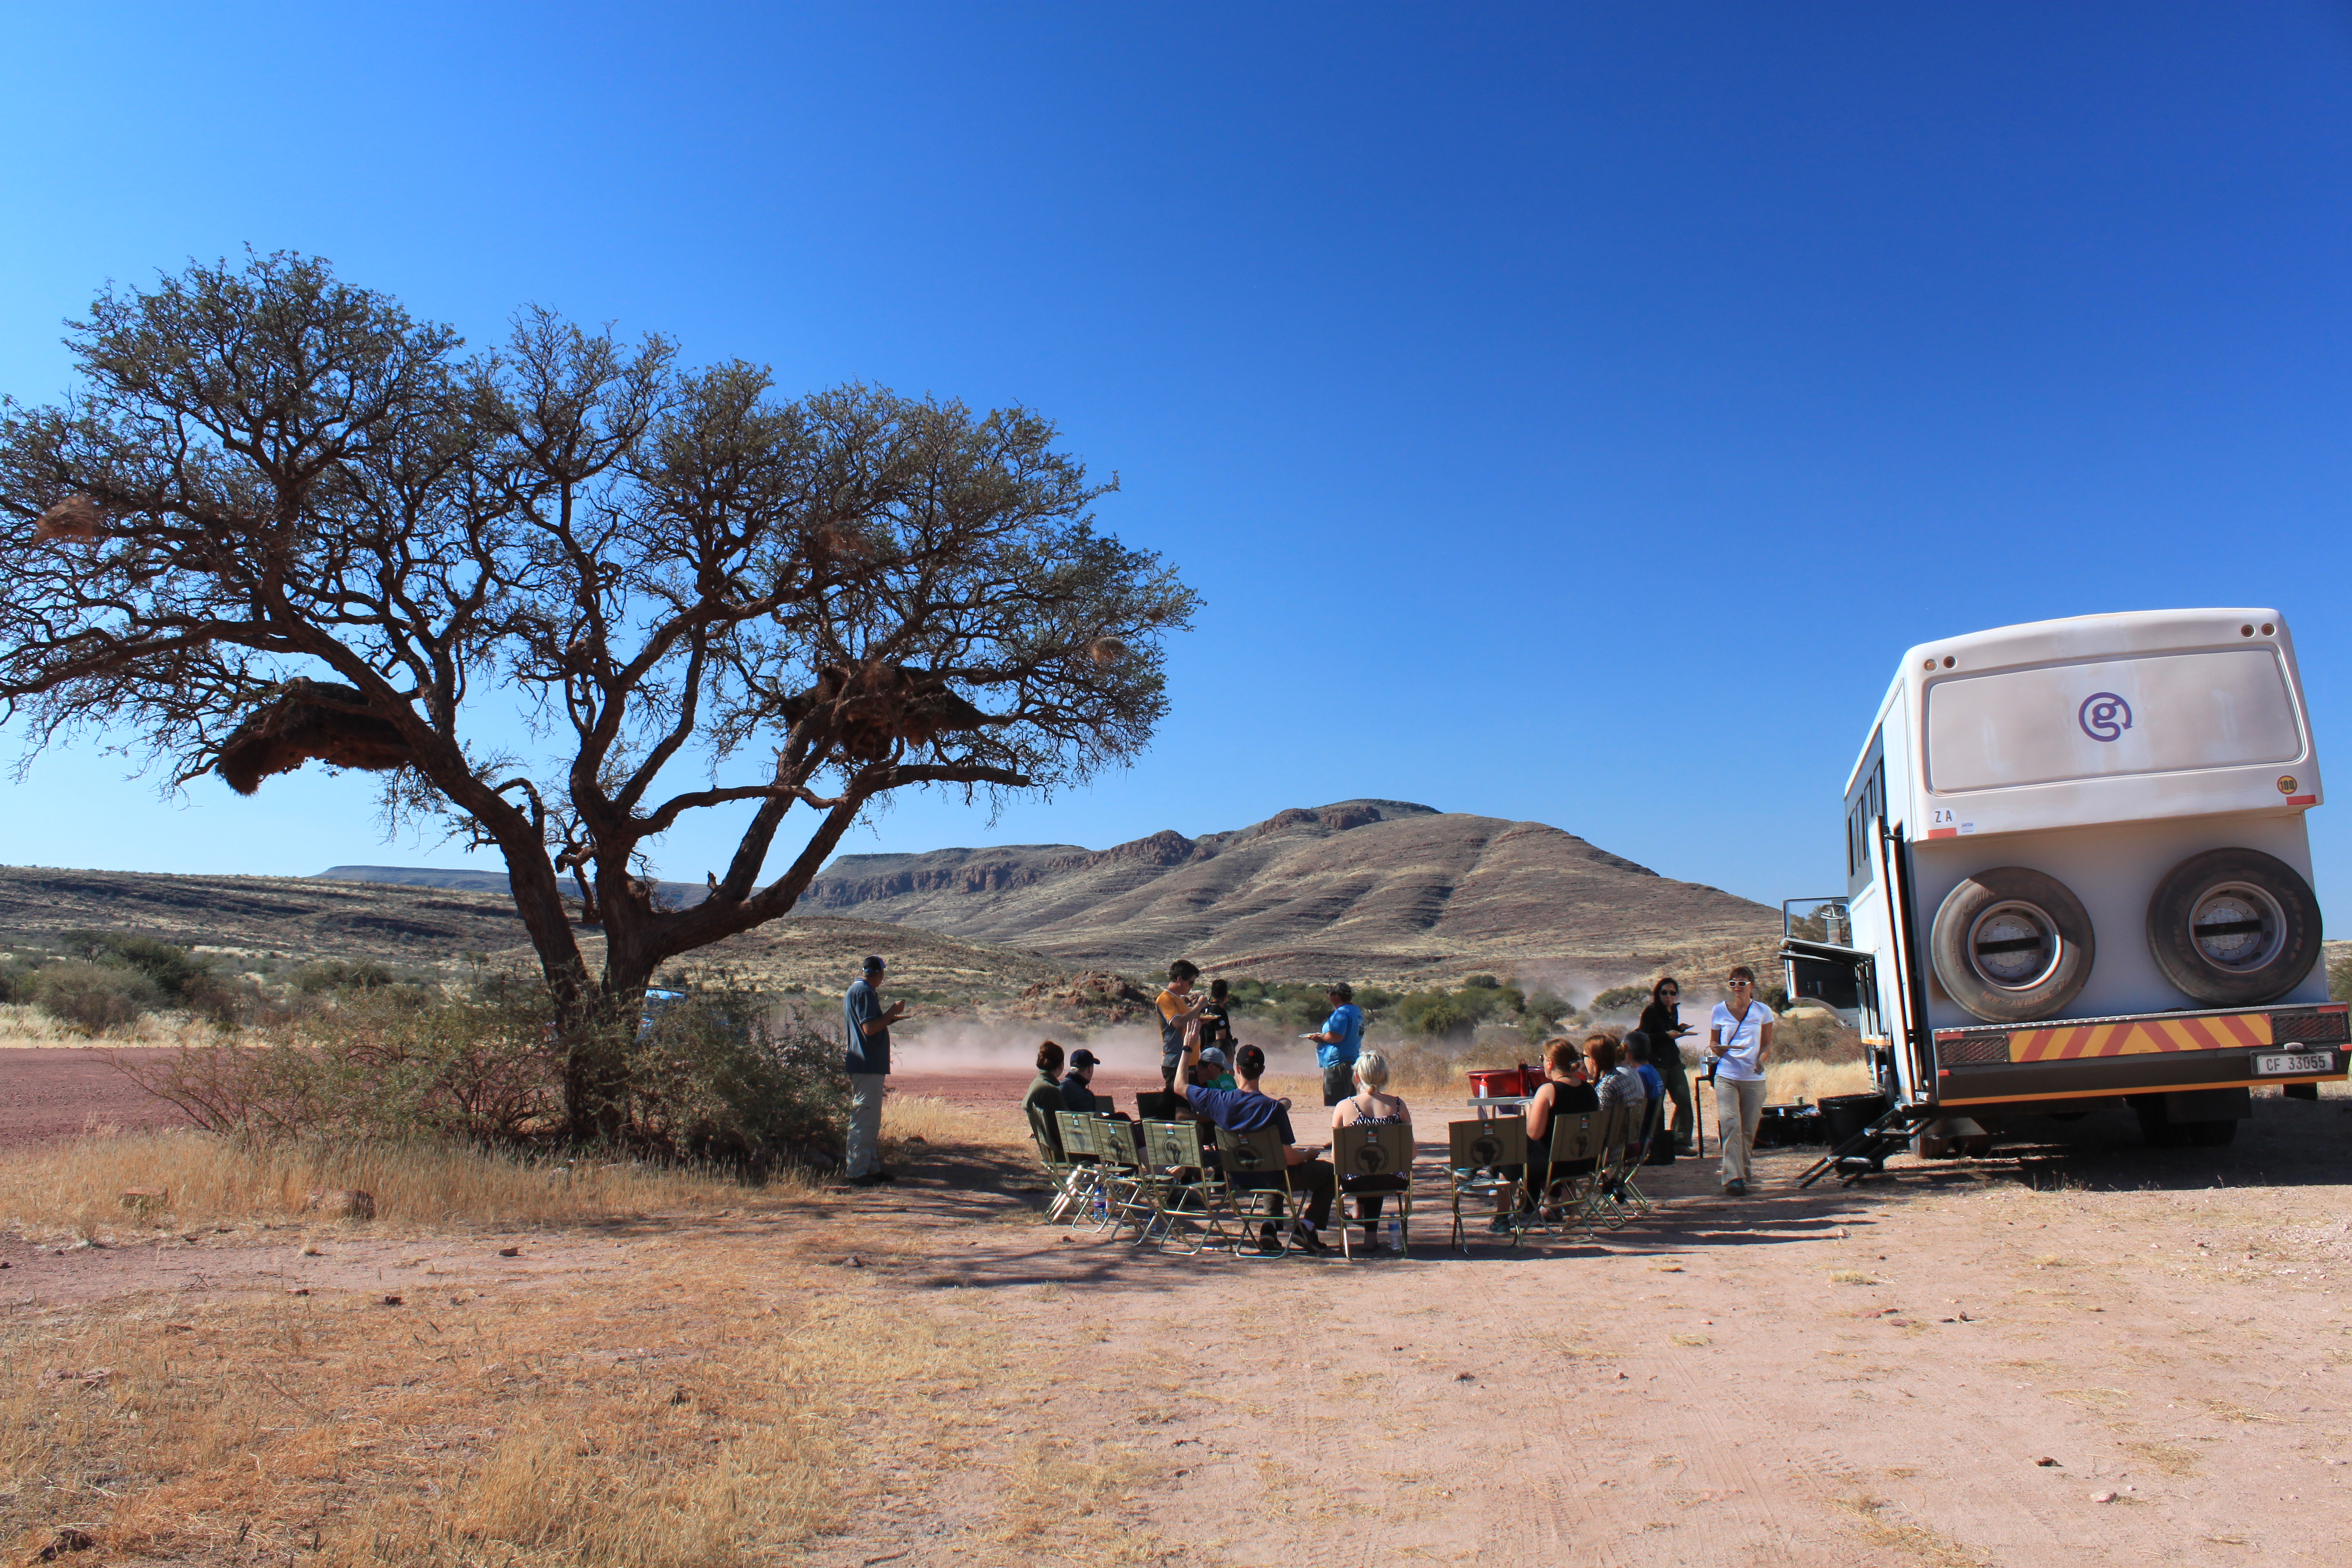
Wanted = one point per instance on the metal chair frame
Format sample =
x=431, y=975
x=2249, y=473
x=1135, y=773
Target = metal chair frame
x=1253, y=1153
x=1089, y=1198
x=1474, y=1150
x=1382, y=1151
x=1172, y=1149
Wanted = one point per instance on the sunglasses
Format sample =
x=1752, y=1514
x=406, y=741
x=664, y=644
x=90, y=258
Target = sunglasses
x=1741, y=985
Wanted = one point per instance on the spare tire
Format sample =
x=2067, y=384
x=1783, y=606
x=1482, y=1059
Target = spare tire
x=2234, y=927
x=2012, y=945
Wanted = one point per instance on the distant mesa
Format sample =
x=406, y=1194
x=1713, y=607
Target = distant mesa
x=1370, y=888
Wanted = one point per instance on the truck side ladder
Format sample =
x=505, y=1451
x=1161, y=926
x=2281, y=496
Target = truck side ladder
x=1866, y=1151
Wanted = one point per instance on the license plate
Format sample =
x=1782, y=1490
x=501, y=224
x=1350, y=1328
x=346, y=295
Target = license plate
x=2269, y=1062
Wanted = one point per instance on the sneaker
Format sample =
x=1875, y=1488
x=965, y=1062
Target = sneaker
x=1269, y=1244
x=1313, y=1243
x=1735, y=1189
x=1502, y=1225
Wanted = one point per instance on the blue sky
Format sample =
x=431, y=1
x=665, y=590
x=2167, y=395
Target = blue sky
x=1569, y=413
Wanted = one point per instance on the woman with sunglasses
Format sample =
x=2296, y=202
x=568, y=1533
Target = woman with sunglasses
x=1662, y=1020
x=1738, y=1036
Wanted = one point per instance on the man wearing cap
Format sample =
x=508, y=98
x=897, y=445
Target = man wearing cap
x=1248, y=1109
x=1214, y=1071
x=866, y=1056
x=1075, y=1092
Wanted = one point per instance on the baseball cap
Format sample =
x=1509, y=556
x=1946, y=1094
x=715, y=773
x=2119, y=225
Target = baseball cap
x=1082, y=1057
x=1215, y=1054
x=874, y=965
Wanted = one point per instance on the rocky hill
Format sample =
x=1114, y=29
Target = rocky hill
x=1370, y=889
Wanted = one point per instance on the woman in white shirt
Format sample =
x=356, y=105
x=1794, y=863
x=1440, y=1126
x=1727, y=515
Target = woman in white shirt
x=1738, y=1036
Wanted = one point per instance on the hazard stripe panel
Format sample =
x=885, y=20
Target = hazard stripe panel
x=2142, y=1037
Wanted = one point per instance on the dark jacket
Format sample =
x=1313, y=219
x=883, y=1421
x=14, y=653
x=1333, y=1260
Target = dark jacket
x=1658, y=1022
x=862, y=1052
x=1075, y=1095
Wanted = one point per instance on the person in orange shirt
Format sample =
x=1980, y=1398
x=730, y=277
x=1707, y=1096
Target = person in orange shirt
x=1178, y=1007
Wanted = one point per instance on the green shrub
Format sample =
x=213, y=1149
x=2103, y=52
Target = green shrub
x=1621, y=999
x=709, y=1078
x=95, y=997
x=332, y=975
x=2340, y=979
x=172, y=969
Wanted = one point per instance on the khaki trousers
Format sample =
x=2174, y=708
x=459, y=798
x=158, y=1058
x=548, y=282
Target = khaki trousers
x=864, y=1155
x=1739, y=1107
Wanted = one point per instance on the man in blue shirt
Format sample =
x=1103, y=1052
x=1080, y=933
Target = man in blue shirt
x=865, y=1054
x=1246, y=1109
x=1337, y=1047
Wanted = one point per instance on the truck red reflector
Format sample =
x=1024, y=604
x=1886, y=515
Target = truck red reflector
x=2302, y=800
x=1955, y=833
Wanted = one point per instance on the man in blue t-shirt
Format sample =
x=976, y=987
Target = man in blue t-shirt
x=1248, y=1109
x=1337, y=1047
x=866, y=1055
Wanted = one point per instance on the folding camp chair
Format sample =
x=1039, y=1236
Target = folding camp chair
x=1602, y=1203
x=1257, y=1178
x=1130, y=1196
x=1192, y=1190
x=1629, y=1191
x=1474, y=1152
x=1373, y=1152
x=1572, y=1158
x=1157, y=1105
x=1088, y=1199
x=1060, y=1169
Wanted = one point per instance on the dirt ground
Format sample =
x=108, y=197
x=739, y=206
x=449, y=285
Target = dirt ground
x=1864, y=1375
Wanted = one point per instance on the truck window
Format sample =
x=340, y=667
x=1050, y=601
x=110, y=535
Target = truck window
x=1864, y=807
x=2158, y=713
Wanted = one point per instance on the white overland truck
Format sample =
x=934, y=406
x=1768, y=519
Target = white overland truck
x=2077, y=877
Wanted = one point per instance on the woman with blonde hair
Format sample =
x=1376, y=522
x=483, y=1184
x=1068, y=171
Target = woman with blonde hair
x=1372, y=1106
x=1738, y=1036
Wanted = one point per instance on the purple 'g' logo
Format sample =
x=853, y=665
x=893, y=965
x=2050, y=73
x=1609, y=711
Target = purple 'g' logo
x=2104, y=716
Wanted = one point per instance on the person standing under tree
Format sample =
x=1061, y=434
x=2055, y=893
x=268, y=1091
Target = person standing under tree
x=1340, y=1043
x=1738, y=1036
x=866, y=1057
x=1662, y=1020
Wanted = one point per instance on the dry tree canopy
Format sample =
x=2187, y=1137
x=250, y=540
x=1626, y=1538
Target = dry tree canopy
x=279, y=520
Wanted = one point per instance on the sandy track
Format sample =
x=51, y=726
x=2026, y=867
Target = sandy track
x=1848, y=1377
x=57, y=1092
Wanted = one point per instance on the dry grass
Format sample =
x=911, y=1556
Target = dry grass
x=77, y=1187
x=596, y=1426
x=22, y=1027
x=920, y=1116
x=1914, y=1542
x=1785, y=1083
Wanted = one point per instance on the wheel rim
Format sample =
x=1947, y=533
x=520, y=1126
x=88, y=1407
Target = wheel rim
x=2237, y=927
x=2014, y=945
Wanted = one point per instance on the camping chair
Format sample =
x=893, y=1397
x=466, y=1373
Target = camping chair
x=1602, y=1203
x=1653, y=1121
x=1474, y=1152
x=1380, y=1151
x=1060, y=1169
x=1255, y=1157
x=1087, y=1195
x=1190, y=1189
x=1130, y=1196
x=1559, y=1195
x=1158, y=1105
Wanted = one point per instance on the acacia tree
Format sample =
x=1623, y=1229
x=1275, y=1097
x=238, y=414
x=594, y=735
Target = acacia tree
x=278, y=519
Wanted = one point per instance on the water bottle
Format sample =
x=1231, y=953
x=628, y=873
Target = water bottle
x=1391, y=1234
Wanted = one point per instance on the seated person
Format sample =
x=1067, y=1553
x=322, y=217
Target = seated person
x=1637, y=1052
x=1370, y=1107
x=1044, y=1096
x=1212, y=1071
x=1566, y=1090
x=1245, y=1110
x=1076, y=1084
x=1615, y=1081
